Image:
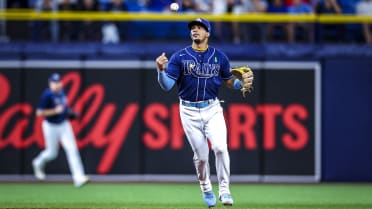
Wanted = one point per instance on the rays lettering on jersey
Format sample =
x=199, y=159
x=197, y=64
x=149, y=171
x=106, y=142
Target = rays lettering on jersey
x=204, y=70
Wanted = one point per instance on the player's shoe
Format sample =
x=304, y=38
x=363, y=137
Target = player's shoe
x=209, y=198
x=226, y=199
x=38, y=171
x=81, y=181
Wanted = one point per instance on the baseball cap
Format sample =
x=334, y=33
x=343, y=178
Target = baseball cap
x=54, y=77
x=202, y=22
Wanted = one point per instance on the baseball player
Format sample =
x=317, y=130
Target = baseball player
x=199, y=70
x=56, y=127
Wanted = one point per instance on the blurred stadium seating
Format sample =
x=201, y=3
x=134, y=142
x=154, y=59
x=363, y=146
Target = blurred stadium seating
x=28, y=28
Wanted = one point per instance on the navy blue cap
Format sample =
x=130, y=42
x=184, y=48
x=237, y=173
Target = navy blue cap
x=54, y=77
x=202, y=22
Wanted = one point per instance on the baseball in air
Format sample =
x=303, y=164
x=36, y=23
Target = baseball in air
x=174, y=7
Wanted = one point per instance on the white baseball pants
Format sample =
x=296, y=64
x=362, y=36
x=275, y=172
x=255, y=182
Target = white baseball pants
x=200, y=125
x=63, y=132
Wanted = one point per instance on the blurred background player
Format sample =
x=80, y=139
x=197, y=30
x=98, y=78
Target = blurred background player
x=56, y=127
x=199, y=70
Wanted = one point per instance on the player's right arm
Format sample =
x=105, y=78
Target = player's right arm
x=165, y=82
x=45, y=107
x=50, y=112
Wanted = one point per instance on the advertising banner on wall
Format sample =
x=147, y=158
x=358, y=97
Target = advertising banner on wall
x=128, y=125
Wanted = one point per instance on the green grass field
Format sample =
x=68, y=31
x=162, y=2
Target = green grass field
x=163, y=196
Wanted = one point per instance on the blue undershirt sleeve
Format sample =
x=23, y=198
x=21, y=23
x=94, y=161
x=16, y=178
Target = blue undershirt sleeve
x=165, y=82
x=237, y=84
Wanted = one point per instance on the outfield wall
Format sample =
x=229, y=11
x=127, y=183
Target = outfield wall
x=346, y=119
x=305, y=121
x=130, y=126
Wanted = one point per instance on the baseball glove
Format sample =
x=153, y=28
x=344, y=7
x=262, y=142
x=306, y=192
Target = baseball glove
x=71, y=114
x=245, y=75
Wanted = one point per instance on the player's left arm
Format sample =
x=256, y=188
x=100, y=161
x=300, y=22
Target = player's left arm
x=233, y=83
x=228, y=78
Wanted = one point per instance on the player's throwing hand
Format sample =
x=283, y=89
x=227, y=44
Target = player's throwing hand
x=161, y=61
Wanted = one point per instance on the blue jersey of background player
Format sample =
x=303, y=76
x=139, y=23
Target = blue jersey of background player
x=54, y=98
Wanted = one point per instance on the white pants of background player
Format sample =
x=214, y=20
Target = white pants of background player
x=199, y=125
x=53, y=133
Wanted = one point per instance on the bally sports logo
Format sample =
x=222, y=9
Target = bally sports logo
x=19, y=128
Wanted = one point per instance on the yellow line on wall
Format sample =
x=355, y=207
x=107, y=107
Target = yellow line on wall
x=26, y=15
